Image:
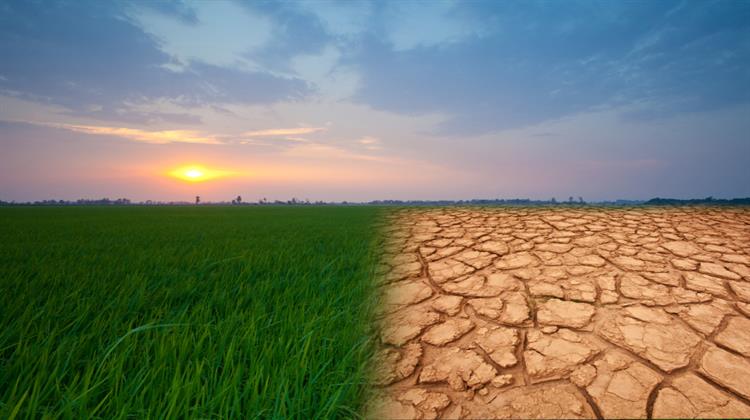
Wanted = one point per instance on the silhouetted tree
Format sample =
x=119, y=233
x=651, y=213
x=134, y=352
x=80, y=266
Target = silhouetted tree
x=239, y=199
x=197, y=199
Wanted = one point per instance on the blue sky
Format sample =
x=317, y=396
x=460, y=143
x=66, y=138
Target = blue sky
x=375, y=100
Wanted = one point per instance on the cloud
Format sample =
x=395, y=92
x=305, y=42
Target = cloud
x=341, y=18
x=221, y=33
x=368, y=140
x=281, y=132
x=370, y=143
x=294, y=32
x=319, y=151
x=175, y=8
x=181, y=136
x=411, y=25
x=542, y=62
x=104, y=64
x=333, y=80
x=154, y=137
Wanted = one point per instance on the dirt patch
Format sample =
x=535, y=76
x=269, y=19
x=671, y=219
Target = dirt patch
x=574, y=313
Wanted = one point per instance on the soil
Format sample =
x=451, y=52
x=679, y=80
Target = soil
x=565, y=313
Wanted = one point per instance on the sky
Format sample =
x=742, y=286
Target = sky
x=360, y=100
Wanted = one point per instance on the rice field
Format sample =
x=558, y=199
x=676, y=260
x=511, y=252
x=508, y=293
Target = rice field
x=199, y=312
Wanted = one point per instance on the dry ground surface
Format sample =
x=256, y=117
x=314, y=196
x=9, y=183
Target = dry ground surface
x=565, y=313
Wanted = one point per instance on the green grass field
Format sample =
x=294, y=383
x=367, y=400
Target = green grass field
x=164, y=312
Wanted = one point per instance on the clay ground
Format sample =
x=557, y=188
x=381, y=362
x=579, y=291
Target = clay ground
x=565, y=313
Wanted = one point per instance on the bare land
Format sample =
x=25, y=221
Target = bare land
x=565, y=313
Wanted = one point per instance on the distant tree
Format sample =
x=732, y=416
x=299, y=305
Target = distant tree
x=553, y=200
x=239, y=199
x=197, y=199
x=580, y=200
x=570, y=199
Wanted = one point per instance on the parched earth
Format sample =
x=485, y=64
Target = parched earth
x=565, y=313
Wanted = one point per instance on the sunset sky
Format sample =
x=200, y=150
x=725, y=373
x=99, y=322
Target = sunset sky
x=374, y=100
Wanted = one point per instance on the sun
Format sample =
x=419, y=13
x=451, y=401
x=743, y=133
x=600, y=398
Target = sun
x=196, y=173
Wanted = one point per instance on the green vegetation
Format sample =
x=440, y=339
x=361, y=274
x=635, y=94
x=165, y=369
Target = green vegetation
x=164, y=312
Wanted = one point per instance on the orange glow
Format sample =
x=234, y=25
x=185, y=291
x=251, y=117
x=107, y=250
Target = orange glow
x=196, y=173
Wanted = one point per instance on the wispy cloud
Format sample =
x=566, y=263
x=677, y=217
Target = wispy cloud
x=185, y=136
x=370, y=143
x=368, y=140
x=327, y=152
x=156, y=137
x=134, y=134
x=282, y=132
x=269, y=141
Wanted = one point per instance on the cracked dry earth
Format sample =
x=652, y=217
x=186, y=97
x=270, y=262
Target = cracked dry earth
x=565, y=313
